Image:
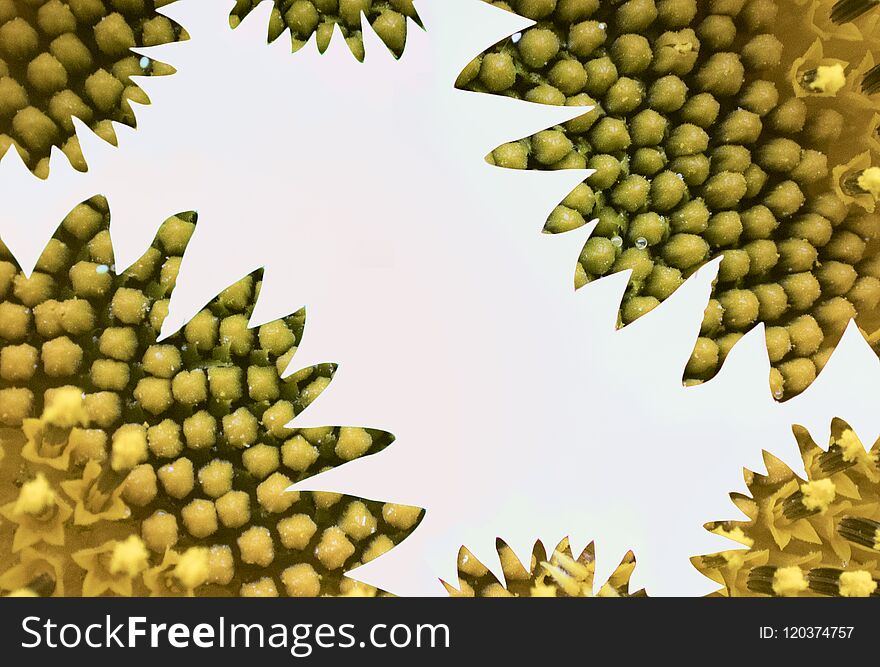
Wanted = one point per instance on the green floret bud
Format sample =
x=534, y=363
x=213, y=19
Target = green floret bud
x=302, y=17
x=637, y=306
x=763, y=256
x=514, y=155
x=18, y=40
x=647, y=161
x=730, y=157
x=802, y=290
x=129, y=305
x=760, y=97
x=756, y=179
x=675, y=52
x=391, y=28
x=647, y=128
x=704, y=359
x=535, y=9
x=762, y=52
x=716, y=32
x=114, y=36
x=631, y=53
x=701, y=109
x=676, y=13
x=55, y=18
x=789, y=117
x=190, y=387
x=845, y=246
x=601, y=75
x=724, y=229
x=712, y=318
x=811, y=227
x=546, y=94
x=240, y=428
x=263, y=383
x=785, y=199
x=734, y=266
x=722, y=75
x=650, y=227
x=569, y=76
x=724, y=190
x=758, y=222
x=83, y=221
x=865, y=293
x=758, y=15
x=635, y=15
x=46, y=74
x=667, y=94
x=497, y=72
x=778, y=343
x=778, y=155
x=694, y=169
x=797, y=374
x=607, y=168
x=691, y=218
x=538, y=46
x=13, y=97
x=564, y=219
x=225, y=383
x=834, y=315
x=813, y=167
x=582, y=199
x=89, y=281
x=637, y=260
x=202, y=331
x=598, y=256
x=631, y=194
x=66, y=104
x=70, y=51
x=235, y=335
x=829, y=205
x=104, y=90
x=806, y=335
x=739, y=127
x=550, y=146
x=684, y=251
x=163, y=361
x=34, y=129
x=174, y=235
x=584, y=122
x=154, y=394
x=740, y=308
x=796, y=255
x=569, y=11
x=610, y=135
x=686, y=139
x=61, y=357
x=624, y=96
x=662, y=282
x=667, y=190
x=33, y=290
x=824, y=127
x=585, y=37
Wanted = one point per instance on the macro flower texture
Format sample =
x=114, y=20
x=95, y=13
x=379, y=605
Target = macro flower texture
x=740, y=129
x=149, y=447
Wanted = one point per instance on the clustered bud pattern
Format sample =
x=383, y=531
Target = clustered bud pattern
x=320, y=18
x=727, y=128
x=134, y=466
x=61, y=59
